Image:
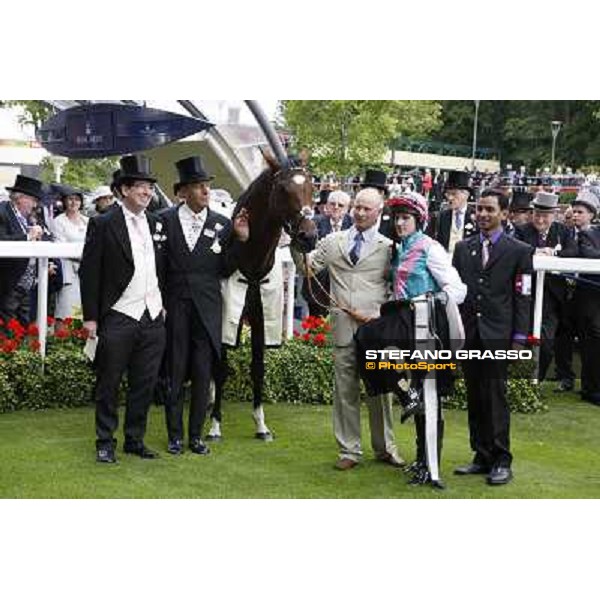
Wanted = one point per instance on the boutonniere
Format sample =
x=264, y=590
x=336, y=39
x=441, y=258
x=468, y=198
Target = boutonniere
x=159, y=238
x=218, y=227
x=159, y=227
x=469, y=226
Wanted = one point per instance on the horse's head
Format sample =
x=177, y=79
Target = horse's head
x=291, y=199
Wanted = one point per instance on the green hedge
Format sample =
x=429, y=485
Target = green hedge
x=298, y=372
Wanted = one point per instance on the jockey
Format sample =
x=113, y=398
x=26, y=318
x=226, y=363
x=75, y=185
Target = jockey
x=421, y=275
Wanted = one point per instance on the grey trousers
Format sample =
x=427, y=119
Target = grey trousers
x=346, y=411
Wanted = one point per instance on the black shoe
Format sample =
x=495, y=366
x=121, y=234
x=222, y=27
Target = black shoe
x=499, y=476
x=472, y=469
x=105, y=455
x=422, y=476
x=140, y=450
x=197, y=446
x=175, y=447
x=565, y=385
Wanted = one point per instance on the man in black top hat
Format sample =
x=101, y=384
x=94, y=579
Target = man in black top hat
x=17, y=275
x=457, y=222
x=519, y=212
x=197, y=258
x=121, y=277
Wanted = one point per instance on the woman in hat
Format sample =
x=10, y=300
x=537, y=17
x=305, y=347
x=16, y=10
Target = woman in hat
x=419, y=266
x=70, y=226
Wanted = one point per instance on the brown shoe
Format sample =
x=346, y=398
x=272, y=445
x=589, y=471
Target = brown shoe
x=394, y=461
x=345, y=464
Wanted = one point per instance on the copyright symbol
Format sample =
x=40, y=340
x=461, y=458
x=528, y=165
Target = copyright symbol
x=370, y=365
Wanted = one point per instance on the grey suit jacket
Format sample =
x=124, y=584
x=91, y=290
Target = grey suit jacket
x=363, y=287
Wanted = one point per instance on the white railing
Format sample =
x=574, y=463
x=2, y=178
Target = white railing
x=542, y=264
x=46, y=250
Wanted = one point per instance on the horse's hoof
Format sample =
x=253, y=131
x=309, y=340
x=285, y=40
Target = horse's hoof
x=267, y=436
x=214, y=438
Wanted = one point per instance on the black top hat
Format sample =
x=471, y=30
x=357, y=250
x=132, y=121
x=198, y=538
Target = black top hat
x=136, y=168
x=374, y=179
x=521, y=201
x=323, y=195
x=458, y=180
x=29, y=186
x=191, y=170
x=115, y=179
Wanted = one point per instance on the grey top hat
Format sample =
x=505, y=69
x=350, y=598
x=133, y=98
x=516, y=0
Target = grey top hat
x=588, y=199
x=545, y=201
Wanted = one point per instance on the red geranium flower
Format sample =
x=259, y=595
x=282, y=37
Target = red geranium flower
x=68, y=321
x=62, y=334
x=50, y=321
x=306, y=337
x=16, y=327
x=34, y=345
x=32, y=330
x=319, y=339
x=10, y=345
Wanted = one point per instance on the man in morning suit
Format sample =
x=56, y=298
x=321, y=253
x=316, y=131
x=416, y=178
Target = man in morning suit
x=550, y=238
x=497, y=271
x=456, y=222
x=121, y=272
x=17, y=275
x=198, y=256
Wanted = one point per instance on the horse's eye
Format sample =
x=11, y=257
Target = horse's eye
x=299, y=179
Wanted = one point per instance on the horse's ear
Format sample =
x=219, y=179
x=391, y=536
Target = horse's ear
x=270, y=159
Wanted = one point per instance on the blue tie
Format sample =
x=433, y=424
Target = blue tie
x=458, y=220
x=355, y=252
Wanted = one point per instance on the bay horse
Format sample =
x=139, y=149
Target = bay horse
x=279, y=199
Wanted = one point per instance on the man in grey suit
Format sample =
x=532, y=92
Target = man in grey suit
x=358, y=260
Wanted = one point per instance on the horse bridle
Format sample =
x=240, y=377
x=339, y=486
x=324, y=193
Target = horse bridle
x=292, y=224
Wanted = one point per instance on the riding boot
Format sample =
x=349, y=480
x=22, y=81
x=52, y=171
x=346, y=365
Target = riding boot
x=419, y=469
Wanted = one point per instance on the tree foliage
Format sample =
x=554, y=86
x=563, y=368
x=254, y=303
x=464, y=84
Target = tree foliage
x=520, y=130
x=345, y=135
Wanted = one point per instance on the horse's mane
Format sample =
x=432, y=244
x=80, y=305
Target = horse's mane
x=259, y=255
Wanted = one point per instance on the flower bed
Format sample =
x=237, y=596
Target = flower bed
x=301, y=371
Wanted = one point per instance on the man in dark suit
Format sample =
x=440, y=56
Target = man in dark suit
x=519, y=212
x=121, y=278
x=586, y=298
x=497, y=271
x=335, y=218
x=550, y=238
x=17, y=275
x=198, y=256
x=458, y=221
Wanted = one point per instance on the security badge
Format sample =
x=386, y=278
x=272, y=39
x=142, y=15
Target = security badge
x=523, y=284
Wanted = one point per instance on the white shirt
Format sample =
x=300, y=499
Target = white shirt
x=142, y=292
x=369, y=236
x=440, y=266
x=192, y=224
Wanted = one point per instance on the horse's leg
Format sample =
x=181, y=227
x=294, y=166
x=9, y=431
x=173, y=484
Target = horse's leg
x=217, y=385
x=257, y=365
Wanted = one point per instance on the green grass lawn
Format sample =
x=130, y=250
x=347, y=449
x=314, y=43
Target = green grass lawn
x=51, y=455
